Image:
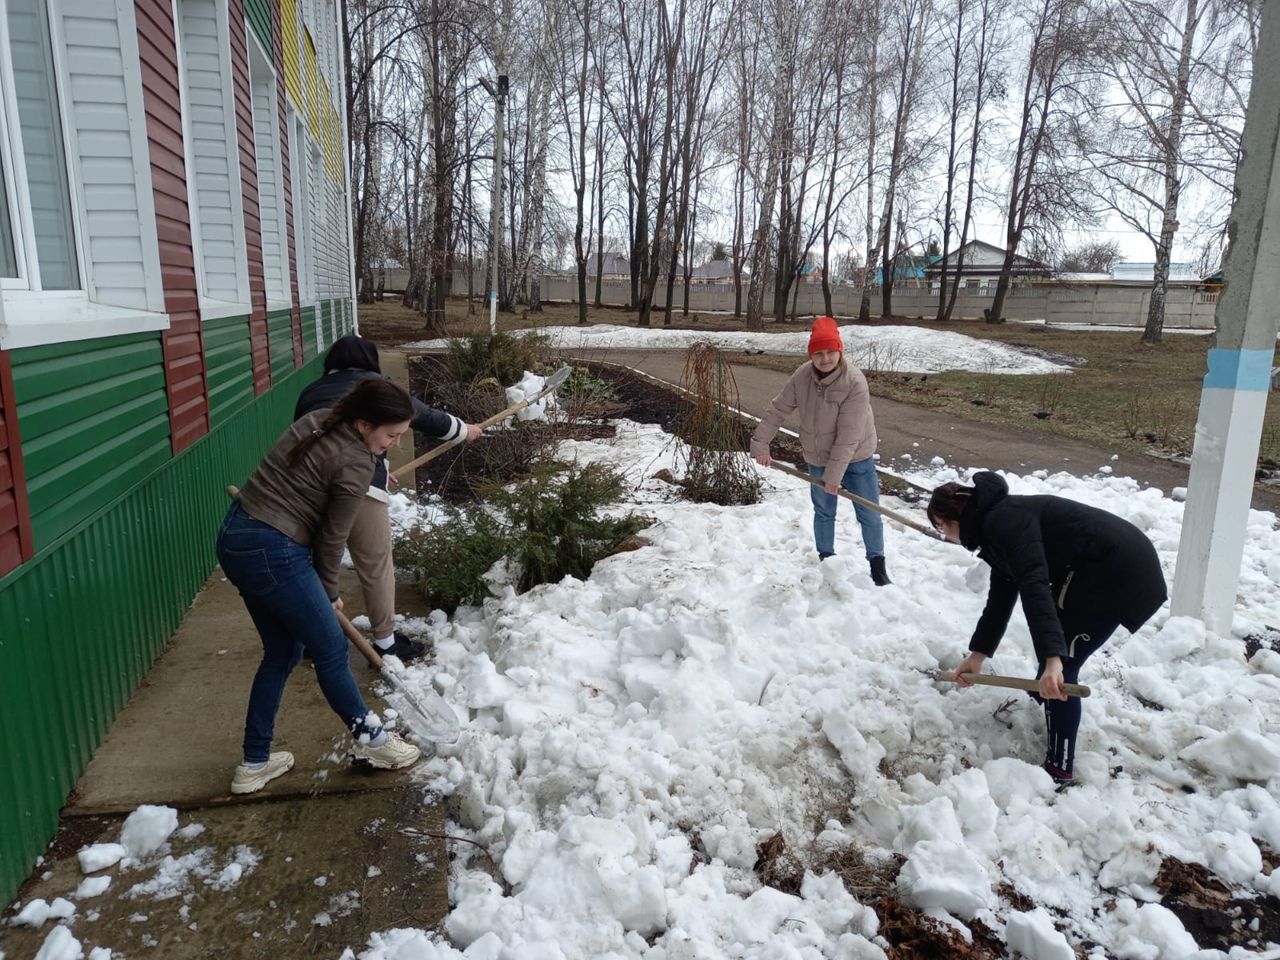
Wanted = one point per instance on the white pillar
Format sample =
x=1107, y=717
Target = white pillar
x=1234, y=396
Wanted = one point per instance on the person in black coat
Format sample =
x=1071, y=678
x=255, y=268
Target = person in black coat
x=350, y=361
x=1080, y=572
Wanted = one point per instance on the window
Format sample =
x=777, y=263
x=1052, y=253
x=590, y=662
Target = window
x=78, y=251
x=213, y=163
x=302, y=227
x=49, y=260
x=266, y=138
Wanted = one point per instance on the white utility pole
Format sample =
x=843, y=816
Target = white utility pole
x=499, y=94
x=1234, y=397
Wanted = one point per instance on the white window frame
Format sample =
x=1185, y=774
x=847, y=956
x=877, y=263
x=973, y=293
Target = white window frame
x=32, y=316
x=260, y=65
x=212, y=308
x=303, y=224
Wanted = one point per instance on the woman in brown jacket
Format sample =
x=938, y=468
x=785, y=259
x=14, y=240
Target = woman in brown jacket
x=838, y=435
x=281, y=545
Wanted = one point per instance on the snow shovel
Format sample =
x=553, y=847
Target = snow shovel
x=884, y=511
x=428, y=716
x=1012, y=683
x=553, y=381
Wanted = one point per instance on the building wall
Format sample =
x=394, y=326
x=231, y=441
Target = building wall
x=116, y=447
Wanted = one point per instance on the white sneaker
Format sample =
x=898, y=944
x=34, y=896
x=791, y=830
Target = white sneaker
x=392, y=754
x=251, y=781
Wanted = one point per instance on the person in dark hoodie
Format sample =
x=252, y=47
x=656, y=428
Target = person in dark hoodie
x=1080, y=573
x=350, y=361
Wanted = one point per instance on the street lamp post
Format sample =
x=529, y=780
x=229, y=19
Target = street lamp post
x=499, y=94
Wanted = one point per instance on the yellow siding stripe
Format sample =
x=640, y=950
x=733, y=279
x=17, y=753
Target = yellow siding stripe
x=292, y=56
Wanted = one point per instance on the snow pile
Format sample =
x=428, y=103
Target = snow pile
x=634, y=737
x=531, y=385
x=900, y=349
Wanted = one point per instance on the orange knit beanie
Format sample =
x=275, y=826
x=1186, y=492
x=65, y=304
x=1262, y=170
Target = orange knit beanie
x=825, y=336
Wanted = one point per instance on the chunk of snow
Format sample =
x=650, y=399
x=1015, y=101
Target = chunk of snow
x=92, y=887
x=60, y=945
x=147, y=828
x=946, y=875
x=1034, y=936
x=99, y=856
x=1241, y=754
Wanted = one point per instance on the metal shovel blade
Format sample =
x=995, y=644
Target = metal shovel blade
x=425, y=712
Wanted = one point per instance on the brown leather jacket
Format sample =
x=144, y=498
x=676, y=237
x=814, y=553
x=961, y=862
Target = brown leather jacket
x=836, y=424
x=313, y=502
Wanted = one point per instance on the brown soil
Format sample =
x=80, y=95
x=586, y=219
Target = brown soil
x=1211, y=912
x=913, y=936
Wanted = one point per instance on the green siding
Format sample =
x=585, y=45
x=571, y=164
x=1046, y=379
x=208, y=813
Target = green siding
x=230, y=366
x=94, y=418
x=309, y=351
x=82, y=621
x=258, y=15
x=280, y=340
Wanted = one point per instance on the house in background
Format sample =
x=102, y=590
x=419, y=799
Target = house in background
x=615, y=267
x=174, y=257
x=714, y=272
x=978, y=264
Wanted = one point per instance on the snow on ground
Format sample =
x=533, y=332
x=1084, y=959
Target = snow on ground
x=629, y=740
x=900, y=349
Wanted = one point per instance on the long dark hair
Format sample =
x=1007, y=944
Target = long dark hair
x=948, y=502
x=378, y=402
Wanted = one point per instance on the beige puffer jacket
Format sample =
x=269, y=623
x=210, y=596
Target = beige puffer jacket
x=836, y=423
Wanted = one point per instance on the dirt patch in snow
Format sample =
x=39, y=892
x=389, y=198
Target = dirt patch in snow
x=1210, y=910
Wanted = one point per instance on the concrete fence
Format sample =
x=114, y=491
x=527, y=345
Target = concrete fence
x=1076, y=303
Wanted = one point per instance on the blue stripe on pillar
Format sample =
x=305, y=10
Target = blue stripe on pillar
x=1239, y=369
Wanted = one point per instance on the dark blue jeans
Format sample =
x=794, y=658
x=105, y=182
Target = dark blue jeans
x=859, y=479
x=292, y=612
x=1062, y=717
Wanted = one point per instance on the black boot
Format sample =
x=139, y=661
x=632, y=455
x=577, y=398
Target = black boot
x=879, y=576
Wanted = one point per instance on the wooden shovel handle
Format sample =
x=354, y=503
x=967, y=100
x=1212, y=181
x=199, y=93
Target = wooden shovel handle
x=1013, y=683
x=861, y=501
x=553, y=382
x=359, y=641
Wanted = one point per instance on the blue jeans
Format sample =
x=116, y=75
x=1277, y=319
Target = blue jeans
x=292, y=612
x=860, y=479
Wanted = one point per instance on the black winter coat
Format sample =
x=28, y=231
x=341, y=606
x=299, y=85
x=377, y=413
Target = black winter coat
x=1062, y=558
x=335, y=385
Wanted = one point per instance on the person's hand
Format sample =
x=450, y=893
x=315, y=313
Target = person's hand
x=337, y=604
x=392, y=482
x=1051, y=680
x=970, y=664
x=473, y=433
x=764, y=459
x=831, y=488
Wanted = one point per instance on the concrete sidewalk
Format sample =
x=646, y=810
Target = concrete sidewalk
x=327, y=855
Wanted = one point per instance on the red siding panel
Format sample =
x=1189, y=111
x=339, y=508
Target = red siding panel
x=277, y=44
x=258, y=340
x=16, y=542
x=184, y=371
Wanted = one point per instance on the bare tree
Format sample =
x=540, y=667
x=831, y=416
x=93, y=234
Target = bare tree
x=785, y=29
x=974, y=46
x=1045, y=187
x=1155, y=141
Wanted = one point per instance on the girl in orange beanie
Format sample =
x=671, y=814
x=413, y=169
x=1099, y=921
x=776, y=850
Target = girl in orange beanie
x=838, y=436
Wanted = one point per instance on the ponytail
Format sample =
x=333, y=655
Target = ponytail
x=378, y=402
